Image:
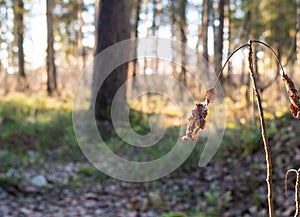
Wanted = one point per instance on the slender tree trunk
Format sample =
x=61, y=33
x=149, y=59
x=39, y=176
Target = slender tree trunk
x=113, y=26
x=97, y=5
x=183, y=38
x=154, y=14
x=136, y=32
x=19, y=29
x=219, y=39
x=204, y=28
x=154, y=32
x=80, y=47
x=51, y=69
x=228, y=25
x=298, y=34
x=172, y=11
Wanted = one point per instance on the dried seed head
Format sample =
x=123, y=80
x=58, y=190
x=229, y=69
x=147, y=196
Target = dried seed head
x=209, y=94
x=293, y=96
x=197, y=119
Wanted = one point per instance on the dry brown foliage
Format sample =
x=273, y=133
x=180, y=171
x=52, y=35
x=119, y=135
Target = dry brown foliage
x=293, y=96
x=197, y=119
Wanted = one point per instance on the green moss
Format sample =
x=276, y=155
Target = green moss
x=6, y=182
x=173, y=214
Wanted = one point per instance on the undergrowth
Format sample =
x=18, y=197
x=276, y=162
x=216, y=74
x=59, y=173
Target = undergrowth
x=37, y=124
x=35, y=130
x=36, y=127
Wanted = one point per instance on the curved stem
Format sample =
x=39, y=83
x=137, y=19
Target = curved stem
x=263, y=132
x=286, y=179
x=226, y=62
x=241, y=47
x=296, y=188
x=290, y=88
x=273, y=52
x=297, y=193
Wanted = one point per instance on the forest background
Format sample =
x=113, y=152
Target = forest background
x=46, y=45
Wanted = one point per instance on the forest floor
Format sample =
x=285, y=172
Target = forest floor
x=56, y=180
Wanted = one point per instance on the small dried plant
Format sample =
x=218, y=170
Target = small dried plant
x=293, y=96
x=296, y=188
x=197, y=120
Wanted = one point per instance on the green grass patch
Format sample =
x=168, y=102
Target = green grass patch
x=38, y=123
x=173, y=214
x=7, y=182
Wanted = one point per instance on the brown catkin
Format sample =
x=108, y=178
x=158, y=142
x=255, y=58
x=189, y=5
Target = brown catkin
x=197, y=120
x=293, y=96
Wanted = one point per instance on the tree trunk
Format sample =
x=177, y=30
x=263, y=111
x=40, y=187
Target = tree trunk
x=298, y=34
x=219, y=39
x=51, y=69
x=136, y=33
x=183, y=38
x=154, y=14
x=113, y=26
x=97, y=5
x=19, y=29
x=204, y=28
x=80, y=47
x=228, y=14
x=173, y=31
x=154, y=32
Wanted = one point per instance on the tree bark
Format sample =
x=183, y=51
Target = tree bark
x=298, y=34
x=183, y=38
x=80, y=47
x=204, y=28
x=228, y=15
x=154, y=31
x=219, y=39
x=173, y=21
x=136, y=33
x=154, y=15
x=51, y=68
x=113, y=26
x=19, y=29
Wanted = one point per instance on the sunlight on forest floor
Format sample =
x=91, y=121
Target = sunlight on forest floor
x=37, y=136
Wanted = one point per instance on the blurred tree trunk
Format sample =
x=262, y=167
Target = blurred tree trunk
x=154, y=15
x=113, y=26
x=97, y=5
x=80, y=47
x=154, y=32
x=19, y=30
x=298, y=33
x=228, y=23
x=136, y=32
x=173, y=31
x=51, y=69
x=183, y=38
x=204, y=28
x=219, y=38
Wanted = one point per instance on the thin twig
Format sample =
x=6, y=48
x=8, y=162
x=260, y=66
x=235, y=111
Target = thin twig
x=296, y=189
x=245, y=45
x=263, y=131
x=289, y=84
x=274, y=53
x=226, y=62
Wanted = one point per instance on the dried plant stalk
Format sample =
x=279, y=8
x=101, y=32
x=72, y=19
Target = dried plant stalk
x=263, y=132
x=289, y=84
x=197, y=120
x=293, y=96
x=296, y=189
